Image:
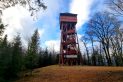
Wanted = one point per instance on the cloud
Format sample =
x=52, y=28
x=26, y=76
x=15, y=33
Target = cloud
x=53, y=45
x=49, y=21
x=82, y=9
x=41, y=31
x=19, y=21
x=85, y=9
x=51, y=24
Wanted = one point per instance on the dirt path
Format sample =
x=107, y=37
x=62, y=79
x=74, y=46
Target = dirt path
x=75, y=74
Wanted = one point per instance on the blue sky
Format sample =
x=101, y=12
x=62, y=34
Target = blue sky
x=47, y=21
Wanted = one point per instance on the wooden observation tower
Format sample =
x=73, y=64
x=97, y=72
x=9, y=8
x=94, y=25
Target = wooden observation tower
x=69, y=46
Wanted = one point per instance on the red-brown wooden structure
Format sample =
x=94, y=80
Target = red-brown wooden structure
x=69, y=46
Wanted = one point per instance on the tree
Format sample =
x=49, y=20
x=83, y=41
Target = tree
x=84, y=40
x=116, y=42
x=94, y=58
x=16, y=58
x=116, y=6
x=2, y=57
x=40, y=58
x=50, y=59
x=102, y=25
x=5, y=59
x=45, y=57
x=1, y=29
x=32, y=5
x=89, y=36
x=31, y=59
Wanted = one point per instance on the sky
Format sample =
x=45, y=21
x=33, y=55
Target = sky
x=46, y=21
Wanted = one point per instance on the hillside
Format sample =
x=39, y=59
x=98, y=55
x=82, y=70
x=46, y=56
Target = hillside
x=57, y=73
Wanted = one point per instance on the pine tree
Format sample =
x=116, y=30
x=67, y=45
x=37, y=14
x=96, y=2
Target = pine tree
x=40, y=58
x=5, y=58
x=2, y=57
x=50, y=59
x=1, y=31
x=16, y=58
x=45, y=58
x=31, y=59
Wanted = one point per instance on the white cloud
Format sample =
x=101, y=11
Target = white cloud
x=41, y=31
x=19, y=21
x=50, y=15
x=53, y=44
x=82, y=8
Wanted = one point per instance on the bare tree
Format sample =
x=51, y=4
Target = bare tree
x=102, y=25
x=116, y=6
x=84, y=40
x=90, y=37
x=116, y=44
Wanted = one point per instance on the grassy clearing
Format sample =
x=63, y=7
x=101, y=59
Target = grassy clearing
x=57, y=73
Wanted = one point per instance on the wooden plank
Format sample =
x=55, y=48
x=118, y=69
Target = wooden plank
x=68, y=19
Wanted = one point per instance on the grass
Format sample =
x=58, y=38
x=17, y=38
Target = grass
x=57, y=73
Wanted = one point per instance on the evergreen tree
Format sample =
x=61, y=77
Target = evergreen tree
x=40, y=59
x=2, y=57
x=31, y=59
x=16, y=58
x=45, y=58
x=1, y=29
x=50, y=59
x=5, y=58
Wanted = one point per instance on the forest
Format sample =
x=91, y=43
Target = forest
x=104, y=34
x=15, y=59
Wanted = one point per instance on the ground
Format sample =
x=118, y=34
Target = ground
x=57, y=73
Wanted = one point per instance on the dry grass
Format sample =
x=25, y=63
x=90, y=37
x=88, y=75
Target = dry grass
x=57, y=73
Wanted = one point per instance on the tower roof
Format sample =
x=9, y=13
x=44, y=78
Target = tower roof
x=67, y=14
x=68, y=17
